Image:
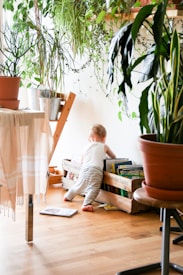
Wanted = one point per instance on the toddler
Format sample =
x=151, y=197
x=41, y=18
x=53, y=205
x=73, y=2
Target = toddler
x=91, y=172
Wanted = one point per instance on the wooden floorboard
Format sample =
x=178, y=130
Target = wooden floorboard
x=99, y=243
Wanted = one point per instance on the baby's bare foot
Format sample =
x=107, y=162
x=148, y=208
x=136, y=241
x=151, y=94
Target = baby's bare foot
x=88, y=208
x=66, y=199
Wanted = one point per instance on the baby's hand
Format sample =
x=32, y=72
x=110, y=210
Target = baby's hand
x=71, y=175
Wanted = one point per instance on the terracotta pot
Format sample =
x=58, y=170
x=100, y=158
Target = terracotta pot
x=176, y=4
x=163, y=168
x=9, y=87
x=176, y=1
x=145, y=2
x=9, y=104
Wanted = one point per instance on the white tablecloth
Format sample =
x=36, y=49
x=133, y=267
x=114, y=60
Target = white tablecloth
x=25, y=146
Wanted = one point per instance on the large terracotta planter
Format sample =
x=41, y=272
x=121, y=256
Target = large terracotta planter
x=163, y=168
x=9, y=89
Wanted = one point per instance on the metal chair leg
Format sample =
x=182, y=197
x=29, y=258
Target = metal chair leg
x=164, y=265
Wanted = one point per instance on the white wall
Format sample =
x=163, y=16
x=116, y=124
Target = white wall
x=92, y=106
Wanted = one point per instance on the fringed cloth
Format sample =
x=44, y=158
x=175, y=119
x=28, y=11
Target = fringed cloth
x=25, y=146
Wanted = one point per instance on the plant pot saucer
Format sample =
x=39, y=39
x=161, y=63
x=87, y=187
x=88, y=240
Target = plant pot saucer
x=162, y=194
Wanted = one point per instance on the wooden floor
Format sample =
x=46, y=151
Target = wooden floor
x=99, y=243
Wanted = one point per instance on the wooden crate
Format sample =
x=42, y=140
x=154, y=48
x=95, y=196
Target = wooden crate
x=55, y=176
x=118, y=190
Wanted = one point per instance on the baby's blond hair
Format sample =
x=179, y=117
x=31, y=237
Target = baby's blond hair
x=99, y=130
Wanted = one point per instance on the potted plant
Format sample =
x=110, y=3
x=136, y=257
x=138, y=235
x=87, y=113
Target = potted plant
x=161, y=99
x=81, y=23
x=46, y=64
x=13, y=48
x=57, y=60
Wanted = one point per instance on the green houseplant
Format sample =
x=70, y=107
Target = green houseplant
x=79, y=23
x=53, y=55
x=13, y=48
x=161, y=98
x=44, y=63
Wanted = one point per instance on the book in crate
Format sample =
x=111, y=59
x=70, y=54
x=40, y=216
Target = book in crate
x=130, y=171
x=123, y=167
x=111, y=165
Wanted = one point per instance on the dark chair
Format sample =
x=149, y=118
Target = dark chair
x=178, y=239
x=169, y=209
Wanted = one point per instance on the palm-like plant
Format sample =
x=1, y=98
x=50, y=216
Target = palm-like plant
x=167, y=97
x=161, y=114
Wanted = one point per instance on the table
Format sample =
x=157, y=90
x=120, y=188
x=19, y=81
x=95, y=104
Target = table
x=25, y=147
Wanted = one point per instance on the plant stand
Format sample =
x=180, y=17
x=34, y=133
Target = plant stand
x=173, y=229
x=59, y=128
x=169, y=209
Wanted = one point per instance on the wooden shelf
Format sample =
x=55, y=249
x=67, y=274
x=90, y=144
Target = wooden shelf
x=175, y=13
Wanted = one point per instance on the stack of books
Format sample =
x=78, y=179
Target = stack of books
x=130, y=171
x=111, y=165
x=123, y=167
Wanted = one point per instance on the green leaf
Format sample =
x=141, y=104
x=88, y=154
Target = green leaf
x=100, y=17
x=120, y=116
x=134, y=115
x=144, y=110
x=120, y=102
x=144, y=12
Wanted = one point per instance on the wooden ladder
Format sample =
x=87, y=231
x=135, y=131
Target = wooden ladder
x=62, y=120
